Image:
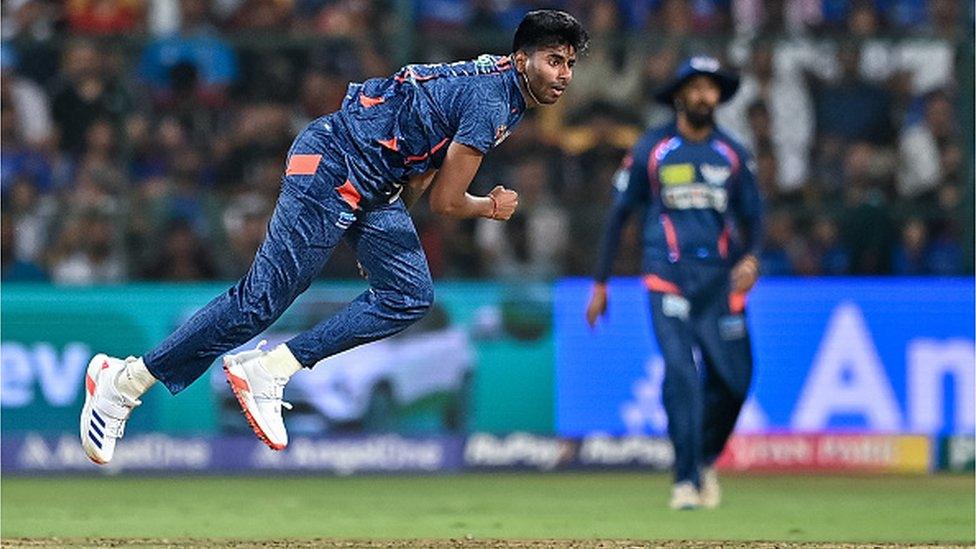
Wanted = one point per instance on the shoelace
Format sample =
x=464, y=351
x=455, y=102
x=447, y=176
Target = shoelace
x=115, y=426
x=277, y=388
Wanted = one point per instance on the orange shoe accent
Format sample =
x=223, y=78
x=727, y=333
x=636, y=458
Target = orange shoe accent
x=89, y=384
x=303, y=164
x=368, y=102
x=104, y=364
x=238, y=383
x=247, y=413
x=655, y=283
x=737, y=302
x=350, y=195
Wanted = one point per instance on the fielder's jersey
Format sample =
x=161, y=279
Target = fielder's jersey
x=699, y=199
x=393, y=128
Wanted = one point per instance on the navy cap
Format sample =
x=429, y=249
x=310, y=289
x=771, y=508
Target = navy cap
x=727, y=82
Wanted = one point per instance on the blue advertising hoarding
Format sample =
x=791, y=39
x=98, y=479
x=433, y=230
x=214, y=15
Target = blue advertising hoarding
x=867, y=355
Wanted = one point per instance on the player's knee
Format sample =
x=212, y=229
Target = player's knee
x=418, y=300
x=408, y=303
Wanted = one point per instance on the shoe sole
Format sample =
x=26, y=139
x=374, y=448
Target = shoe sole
x=91, y=373
x=239, y=385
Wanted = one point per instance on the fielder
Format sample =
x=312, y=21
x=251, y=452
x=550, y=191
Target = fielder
x=351, y=174
x=702, y=237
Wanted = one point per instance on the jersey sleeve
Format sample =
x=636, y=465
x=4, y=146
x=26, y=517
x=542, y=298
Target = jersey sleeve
x=483, y=112
x=631, y=189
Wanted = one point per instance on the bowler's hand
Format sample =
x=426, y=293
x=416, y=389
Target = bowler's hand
x=744, y=274
x=597, y=306
x=503, y=201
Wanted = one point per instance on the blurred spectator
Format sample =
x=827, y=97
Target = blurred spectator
x=848, y=107
x=929, y=151
x=32, y=20
x=17, y=161
x=909, y=257
x=442, y=15
x=12, y=268
x=262, y=132
x=832, y=257
x=32, y=216
x=184, y=256
x=658, y=69
x=775, y=17
x=104, y=16
x=196, y=61
x=607, y=60
x=349, y=18
x=27, y=101
x=87, y=92
x=866, y=229
x=945, y=255
x=785, y=252
x=86, y=251
x=533, y=244
x=245, y=223
x=788, y=124
x=918, y=254
x=100, y=155
x=682, y=18
x=320, y=93
x=261, y=15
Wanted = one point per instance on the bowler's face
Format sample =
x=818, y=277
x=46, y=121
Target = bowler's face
x=549, y=71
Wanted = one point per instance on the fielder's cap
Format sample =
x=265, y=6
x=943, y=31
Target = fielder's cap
x=727, y=82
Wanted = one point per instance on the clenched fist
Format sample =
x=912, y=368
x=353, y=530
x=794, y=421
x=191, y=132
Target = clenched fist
x=503, y=202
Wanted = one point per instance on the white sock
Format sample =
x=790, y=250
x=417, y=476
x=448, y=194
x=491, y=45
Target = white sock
x=134, y=380
x=281, y=363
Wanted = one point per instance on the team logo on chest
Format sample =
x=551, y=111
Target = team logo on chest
x=715, y=175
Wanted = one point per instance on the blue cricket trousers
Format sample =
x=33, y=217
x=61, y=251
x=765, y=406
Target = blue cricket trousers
x=317, y=207
x=692, y=308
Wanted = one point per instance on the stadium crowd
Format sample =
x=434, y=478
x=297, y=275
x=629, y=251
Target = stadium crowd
x=145, y=139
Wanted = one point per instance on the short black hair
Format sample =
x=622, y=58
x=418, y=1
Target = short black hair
x=547, y=28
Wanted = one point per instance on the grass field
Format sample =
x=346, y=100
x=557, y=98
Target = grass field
x=230, y=510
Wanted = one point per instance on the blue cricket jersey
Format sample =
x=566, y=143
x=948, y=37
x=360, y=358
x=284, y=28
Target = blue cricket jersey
x=390, y=129
x=700, y=200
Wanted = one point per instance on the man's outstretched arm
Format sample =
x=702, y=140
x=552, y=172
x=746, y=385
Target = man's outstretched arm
x=449, y=195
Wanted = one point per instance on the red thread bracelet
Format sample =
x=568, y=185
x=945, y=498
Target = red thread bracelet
x=494, y=207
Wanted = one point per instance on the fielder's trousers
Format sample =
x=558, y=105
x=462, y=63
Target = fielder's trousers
x=693, y=310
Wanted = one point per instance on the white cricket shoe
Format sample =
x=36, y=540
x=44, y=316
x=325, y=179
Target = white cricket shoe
x=684, y=496
x=106, y=410
x=259, y=394
x=711, y=492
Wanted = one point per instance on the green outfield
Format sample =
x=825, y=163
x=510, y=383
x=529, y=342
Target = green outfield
x=911, y=509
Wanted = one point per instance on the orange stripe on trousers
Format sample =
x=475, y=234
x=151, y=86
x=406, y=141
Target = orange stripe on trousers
x=655, y=283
